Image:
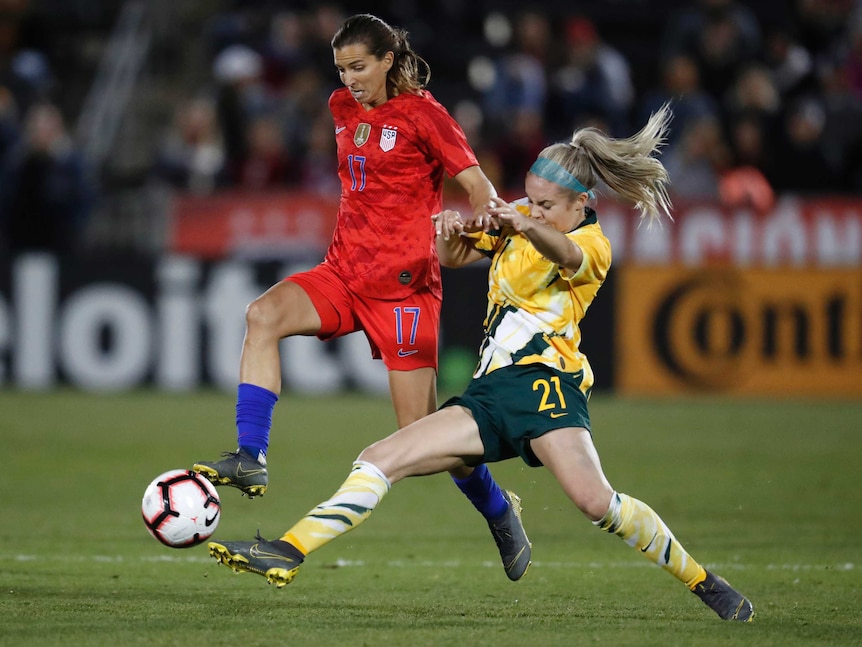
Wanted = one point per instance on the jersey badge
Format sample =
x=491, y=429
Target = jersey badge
x=387, y=139
x=363, y=132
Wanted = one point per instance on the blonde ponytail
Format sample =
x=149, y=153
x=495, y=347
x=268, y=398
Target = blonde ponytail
x=627, y=166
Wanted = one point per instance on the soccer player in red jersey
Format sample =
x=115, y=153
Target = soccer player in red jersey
x=381, y=273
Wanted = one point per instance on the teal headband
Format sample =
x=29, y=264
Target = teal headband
x=553, y=172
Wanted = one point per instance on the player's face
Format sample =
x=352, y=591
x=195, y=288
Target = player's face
x=552, y=204
x=363, y=73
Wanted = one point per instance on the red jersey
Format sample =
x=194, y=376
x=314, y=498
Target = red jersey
x=391, y=162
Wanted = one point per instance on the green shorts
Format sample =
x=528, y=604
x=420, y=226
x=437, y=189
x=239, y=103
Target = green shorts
x=515, y=404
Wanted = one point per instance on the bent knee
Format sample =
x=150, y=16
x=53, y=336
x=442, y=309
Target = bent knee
x=282, y=311
x=594, y=505
x=262, y=314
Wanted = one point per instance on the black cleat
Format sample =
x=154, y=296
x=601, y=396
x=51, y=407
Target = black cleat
x=511, y=539
x=238, y=469
x=276, y=560
x=722, y=598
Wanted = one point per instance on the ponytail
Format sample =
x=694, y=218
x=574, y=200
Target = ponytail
x=628, y=166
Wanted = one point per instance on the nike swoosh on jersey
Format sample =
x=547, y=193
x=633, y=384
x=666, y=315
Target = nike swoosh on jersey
x=339, y=129
x=406, y=353
x=558, y=415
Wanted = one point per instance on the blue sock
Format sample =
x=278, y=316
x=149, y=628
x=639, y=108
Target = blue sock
x=254, y=407
x=483, y=491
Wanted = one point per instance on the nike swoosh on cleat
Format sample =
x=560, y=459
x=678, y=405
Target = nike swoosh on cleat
x=240, y=471
x=254, y=551
x=509, y=566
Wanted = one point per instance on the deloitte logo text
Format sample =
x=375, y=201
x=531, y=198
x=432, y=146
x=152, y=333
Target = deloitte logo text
x=175, y=323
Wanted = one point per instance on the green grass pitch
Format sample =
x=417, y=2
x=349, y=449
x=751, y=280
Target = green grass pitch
x=766, y=493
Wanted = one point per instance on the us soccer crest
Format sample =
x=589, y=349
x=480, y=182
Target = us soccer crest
x=363, y=132
x=387, y=139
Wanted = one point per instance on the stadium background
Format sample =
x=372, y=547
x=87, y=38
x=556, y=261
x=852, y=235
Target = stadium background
x=111, y=336
x=206, y=173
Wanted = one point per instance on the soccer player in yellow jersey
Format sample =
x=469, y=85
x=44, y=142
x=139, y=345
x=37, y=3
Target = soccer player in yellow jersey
x=528, y=396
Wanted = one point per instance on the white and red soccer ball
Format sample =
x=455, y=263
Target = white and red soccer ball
x=181, y=508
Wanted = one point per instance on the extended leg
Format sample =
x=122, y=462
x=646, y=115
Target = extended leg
x=572, y=458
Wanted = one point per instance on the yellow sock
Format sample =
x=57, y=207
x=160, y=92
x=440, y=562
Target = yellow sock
x=352, y=504
x=640, y=527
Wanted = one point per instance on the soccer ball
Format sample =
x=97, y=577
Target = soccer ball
x=181, y=508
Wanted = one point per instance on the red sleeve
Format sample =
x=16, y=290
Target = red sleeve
x=442, y=137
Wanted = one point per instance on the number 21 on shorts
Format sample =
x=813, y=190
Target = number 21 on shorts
x=552, y=394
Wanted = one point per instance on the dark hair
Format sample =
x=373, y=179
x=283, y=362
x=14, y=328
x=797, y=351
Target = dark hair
x=379, y=37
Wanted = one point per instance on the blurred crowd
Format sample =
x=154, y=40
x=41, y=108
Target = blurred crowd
x=46, y=193
x=767, y=97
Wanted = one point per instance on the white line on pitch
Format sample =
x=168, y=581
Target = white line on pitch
x=401, y=563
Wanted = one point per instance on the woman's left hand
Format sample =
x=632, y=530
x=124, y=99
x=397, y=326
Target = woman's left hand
x=505, y=214
x=448, y=223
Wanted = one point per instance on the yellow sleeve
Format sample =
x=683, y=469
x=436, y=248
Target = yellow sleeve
x=597, y=256
x=490, y=241
x=483, y=242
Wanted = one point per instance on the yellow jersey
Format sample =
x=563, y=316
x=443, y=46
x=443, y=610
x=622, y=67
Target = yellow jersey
x=534, y=305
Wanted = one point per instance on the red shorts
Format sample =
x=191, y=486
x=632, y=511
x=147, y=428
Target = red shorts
x=403, y=333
